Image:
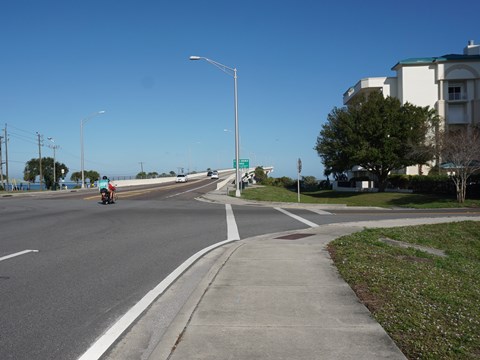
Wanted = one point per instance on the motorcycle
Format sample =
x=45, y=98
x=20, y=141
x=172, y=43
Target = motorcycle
x=105, y=194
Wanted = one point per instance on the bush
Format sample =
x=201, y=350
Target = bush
x=399, y=181
x=325, y=185
x=266, y=181
x=432, y=184
x=285, y=182
x=309, y=183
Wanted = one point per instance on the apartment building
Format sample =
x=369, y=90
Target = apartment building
x=450, y=84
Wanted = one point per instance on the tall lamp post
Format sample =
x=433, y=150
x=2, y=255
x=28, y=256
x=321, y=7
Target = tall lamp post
x=232, y=72
x=54, y=147
x=82, y=122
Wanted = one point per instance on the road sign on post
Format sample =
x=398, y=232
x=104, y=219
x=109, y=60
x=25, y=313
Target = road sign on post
x=299, y=168
x=242, y=163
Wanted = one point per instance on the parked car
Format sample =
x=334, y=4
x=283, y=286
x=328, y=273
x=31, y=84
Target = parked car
x=181, y=178
x=214, y=175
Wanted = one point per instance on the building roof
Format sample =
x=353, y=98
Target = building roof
x=428, y=60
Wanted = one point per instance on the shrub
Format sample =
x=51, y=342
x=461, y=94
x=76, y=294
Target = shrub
x=398, y=181
x=284, y=181
x=309, y=183
x=325, y=185
x=432, y=184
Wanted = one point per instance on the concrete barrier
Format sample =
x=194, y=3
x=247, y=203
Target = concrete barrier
x=137, y=182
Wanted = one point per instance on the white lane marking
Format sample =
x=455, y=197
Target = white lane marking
x=232, y=230
x=184, y=192
x=17, y=254
x=305, y=221
x=320, y=212
x=112, y=334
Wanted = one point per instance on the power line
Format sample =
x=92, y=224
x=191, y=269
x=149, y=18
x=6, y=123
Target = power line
x=29, y=140
x=25, y=131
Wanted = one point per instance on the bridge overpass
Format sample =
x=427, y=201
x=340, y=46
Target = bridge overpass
x=136, y=182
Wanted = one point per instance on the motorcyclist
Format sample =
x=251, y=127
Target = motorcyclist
x=105, y=183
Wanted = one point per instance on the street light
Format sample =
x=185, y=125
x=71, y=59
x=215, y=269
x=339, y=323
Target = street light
x=232, y=72
x=54, y=147
x=83, y=121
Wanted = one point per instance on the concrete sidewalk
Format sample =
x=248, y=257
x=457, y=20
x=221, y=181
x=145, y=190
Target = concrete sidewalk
x=277, y=298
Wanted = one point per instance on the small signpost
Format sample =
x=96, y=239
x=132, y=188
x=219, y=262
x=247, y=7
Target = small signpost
x=299, y=168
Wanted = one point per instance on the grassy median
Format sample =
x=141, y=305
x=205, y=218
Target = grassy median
x=386, y=199
x=430, y=305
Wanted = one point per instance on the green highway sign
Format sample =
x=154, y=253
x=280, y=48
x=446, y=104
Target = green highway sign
x=242, y=164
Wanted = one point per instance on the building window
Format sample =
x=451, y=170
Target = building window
x=454, y=92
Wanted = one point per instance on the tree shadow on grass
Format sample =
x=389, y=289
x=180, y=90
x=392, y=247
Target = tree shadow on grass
x=423, y=199
x=389, y=199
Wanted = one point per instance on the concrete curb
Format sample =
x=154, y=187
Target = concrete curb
x=174, y=333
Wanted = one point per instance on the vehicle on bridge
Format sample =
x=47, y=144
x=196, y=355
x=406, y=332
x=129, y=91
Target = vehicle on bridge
x=181, y=178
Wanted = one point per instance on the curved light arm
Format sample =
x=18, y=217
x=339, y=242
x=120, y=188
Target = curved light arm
x=91, y=116
x=222, y=67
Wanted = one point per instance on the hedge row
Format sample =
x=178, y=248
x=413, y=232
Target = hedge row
x=432, y=184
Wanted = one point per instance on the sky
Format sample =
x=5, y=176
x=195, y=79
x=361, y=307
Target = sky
x=62, y=62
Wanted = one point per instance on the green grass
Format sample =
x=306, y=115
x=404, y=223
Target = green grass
x=386, y=199
x=429, y=305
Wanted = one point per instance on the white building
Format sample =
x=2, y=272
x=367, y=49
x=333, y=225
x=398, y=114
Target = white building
x=450, y=84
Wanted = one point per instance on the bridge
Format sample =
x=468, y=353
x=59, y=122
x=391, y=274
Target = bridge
x=245, y=172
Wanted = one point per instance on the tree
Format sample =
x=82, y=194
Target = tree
x=76, y=176
x=32, y=170
x=461, y=156
x=260, y=175
x=376, y=133
x=152, y=175
x=141, y=175
x=92, y=175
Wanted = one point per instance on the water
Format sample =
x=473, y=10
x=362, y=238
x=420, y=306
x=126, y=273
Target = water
x=36, y=186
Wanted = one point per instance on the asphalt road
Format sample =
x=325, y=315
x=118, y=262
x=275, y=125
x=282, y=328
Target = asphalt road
x=91, y=263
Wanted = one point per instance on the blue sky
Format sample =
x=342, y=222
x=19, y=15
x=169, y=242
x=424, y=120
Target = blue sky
x=64, y=60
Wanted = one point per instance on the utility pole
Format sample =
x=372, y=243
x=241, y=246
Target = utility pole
x=40, y=160
x=299, y=169
x=6, y=156
x=54, y=147
x=1, y=162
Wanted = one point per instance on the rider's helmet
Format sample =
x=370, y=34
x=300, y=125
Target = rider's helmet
x=104, y=178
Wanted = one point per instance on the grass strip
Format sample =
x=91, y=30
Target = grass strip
x=386, y=199
x=429, y=305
